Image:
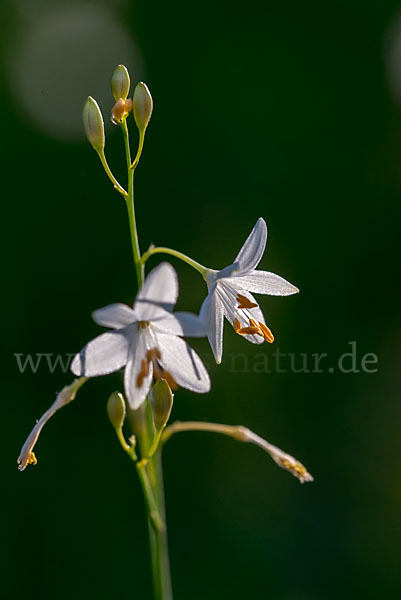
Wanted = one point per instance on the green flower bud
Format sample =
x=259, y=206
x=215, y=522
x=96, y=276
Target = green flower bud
x=161, y=398
x=142, y=106
x=116, y=410
x=120, y=83
x=93, y=124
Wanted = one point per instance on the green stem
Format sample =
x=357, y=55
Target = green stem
x=155, y=519
x=150, y=471
x=159, y=249
x=158, y=536
x=140, y=148
x=110, y=175
x=131, y=210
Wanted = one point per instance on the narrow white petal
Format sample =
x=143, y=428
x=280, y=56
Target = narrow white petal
x=182, y=362
x=136, y=382
x=252, y=251
x=180, y=323
x=212, y=315
x=263, y=282
x=228, y=295
x=114, y=315
x=103, y=355
x=159, y=292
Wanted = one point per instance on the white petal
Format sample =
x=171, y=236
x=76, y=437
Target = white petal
x=180, y=323
x=182, y=362
x=229, y=271
x=103, y=355
x=114, y=315
x=252, y=251
x=160, y=291
x=228, y=296
x=136, y=388
x=212, y=314
x=263, y=282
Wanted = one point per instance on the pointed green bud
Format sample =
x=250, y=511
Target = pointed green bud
x=116, y=410
x=93, y=124
x=161, y=398
x=142, y=106
x=120, y=83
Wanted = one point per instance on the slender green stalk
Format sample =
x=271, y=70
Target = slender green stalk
x=140, y=148
x=159, y=249
x=149, y=470
x=155, y=519
x=158, y=536
x=243, y=434
x=131, y=209
x=110, y=175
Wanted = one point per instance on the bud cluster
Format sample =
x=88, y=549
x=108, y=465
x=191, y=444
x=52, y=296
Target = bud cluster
x=141, y=105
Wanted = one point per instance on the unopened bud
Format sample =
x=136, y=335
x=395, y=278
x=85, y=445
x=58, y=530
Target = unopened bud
x=93, y=124
x=120, y=83
x=121, y=110
x=116, y=410
x=161, y=398
x=143, y=106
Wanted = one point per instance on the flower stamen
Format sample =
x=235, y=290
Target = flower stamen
x=244, y=302
x=237, y=326
x=142, y=373
x=254, y=329
x=31, y=460
x=267, y=334
x=153, y=356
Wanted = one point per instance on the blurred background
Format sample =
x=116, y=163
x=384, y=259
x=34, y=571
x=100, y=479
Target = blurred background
x=290, y=111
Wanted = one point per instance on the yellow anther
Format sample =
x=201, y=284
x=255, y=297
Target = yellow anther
x=32, y=460
x=237, y=326
x=267, y=334
x=249, y=331
x=142, y=373
x=244, y=302
x=254, y=329
x=170, y=380
x=297, y=469
x=152, y=354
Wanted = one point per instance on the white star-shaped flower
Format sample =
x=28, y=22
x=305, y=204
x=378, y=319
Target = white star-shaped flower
x=146, y=341
x=229, y=294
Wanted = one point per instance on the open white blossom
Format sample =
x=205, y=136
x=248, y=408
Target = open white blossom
x=146, y=341
x=229, y=294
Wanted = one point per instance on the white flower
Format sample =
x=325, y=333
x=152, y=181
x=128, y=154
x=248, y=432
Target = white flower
x=229, y=294
x=146, y=341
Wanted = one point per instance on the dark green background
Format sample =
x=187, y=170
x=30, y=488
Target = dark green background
x=281, y=110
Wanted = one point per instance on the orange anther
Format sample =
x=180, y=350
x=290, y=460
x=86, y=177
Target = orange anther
x=244, y=302
x=142, y=373
x=250, y=331
x=152, y=354
x=170, y=380
x=237, y=326
x=267, y=334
